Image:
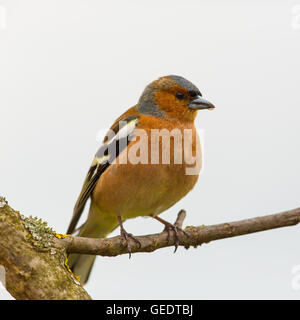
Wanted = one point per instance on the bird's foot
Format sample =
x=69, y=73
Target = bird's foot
x=124, y=234
x=169, y=227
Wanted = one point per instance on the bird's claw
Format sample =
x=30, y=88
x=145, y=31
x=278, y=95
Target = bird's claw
x=127, y=236
x=124, y=234
x=172, y=227
x=176, y=228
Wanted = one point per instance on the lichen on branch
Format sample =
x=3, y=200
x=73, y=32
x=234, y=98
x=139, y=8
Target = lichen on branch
x=34, y=269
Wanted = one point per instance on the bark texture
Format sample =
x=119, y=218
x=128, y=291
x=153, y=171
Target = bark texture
x=34, y=270
x=34, y=256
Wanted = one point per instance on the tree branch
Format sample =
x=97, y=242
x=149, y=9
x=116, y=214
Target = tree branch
x=196, y=235
x=34, y=255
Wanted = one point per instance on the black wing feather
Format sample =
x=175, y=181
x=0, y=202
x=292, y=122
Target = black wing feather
x=109, y=151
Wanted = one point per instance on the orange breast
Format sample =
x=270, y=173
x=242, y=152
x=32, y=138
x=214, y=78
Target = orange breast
x=144, y=180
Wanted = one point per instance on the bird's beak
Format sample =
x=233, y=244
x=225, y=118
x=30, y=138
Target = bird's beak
x=199, y=103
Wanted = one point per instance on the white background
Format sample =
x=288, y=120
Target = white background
x=69, y=68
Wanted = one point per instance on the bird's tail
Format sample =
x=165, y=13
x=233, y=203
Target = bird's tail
x=98, y=225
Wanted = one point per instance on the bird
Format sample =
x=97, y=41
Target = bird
x=128, y=177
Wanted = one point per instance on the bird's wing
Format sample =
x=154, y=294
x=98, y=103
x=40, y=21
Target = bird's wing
x=115, y=141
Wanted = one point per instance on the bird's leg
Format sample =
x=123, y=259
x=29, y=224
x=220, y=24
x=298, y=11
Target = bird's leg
x=124, y=234
x=171, y=227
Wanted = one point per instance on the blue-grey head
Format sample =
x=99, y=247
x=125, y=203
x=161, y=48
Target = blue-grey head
x=172, y=97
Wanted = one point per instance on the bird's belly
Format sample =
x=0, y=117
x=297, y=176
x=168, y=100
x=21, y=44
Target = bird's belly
x=141, y=189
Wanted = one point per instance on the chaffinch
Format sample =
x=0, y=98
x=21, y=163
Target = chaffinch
x=134, y=173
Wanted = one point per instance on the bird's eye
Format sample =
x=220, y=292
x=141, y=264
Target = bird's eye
x=179, y=95
x=193, y=94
